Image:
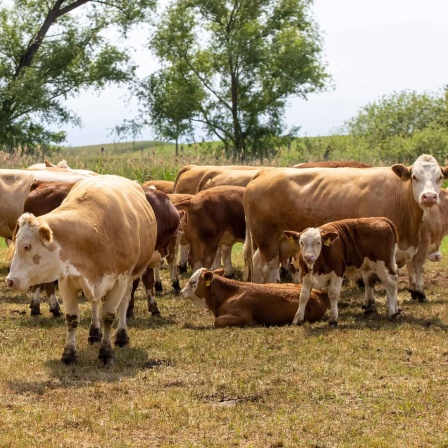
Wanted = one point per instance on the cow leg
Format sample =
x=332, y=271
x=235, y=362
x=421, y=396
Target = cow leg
x=35, y=300
x=195, y=255
x=183, y=257
x=209, y=250
x=113, y=299
x=174, y=277
x=369, y=299
x=217, y=261
x=121, y=335
x=227, y=261
x=229, y=320
x=130, y=310
x=390, y=281
x=334, y=291
x=95, y=333
x=158, y=281
x=257, y=276
x=69, y=294
x=416, y=284
x=307, y=284
x=148, y=281
x=55, y=309
x=270, y=271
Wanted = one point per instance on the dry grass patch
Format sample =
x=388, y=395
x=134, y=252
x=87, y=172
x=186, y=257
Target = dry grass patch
x=182, y=383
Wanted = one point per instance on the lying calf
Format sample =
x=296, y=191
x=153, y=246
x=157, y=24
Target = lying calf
x=240, y=304
x=327, y=252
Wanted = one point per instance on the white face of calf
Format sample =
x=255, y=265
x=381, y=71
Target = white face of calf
x=310, y=243
x=36, y=256
x=189, y=291
x=426, y=176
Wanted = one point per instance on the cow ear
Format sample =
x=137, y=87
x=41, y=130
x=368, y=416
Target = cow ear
x=292, y=236
x=328, y=238
x=402, y=171
x=14, y=233
x=208, y=277
x=445, y=172
x=46, y=233
x=219, y=272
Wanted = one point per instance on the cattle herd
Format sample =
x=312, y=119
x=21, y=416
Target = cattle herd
x=315, y=222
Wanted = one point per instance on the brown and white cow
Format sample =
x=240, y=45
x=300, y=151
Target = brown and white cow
x=168, y=220
x=99, y=239
x=241, y=304
x=327, y=253
x=213, y=218
x=167, y=186
x=284, y=199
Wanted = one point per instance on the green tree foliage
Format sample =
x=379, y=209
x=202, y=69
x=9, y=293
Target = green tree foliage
x=50, y=51
x=401, y=126
x=166, y=105
x=249, y=57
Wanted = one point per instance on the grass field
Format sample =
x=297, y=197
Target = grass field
x=182, y=383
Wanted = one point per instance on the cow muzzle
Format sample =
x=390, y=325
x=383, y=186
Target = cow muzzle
x=435, y=257
x=13, y=284
x=429, y=199
x=309, y=258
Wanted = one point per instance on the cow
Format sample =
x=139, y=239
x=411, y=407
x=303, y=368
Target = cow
x=188, y=177
x=213, y=218
x=288, y=198
x=327, y=253
x=42, y=199
x=242, y=304
x=432, y=232
x=333, y=164
x=168, y=220
x=99, y=239
x=167, y=186
x=62, y=166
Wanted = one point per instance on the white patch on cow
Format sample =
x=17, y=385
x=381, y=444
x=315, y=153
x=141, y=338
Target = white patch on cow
x=321, y=280
x=310, y=246
x=189, y=291
x=426, y=181
x=404, y=256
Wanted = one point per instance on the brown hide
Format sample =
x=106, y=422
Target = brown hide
x=242, y=304
x=167, y=186
x=46, y=196
x=333, y=164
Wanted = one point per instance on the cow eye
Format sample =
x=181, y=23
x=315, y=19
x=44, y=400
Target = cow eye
x=414, y=177
x=27, y=247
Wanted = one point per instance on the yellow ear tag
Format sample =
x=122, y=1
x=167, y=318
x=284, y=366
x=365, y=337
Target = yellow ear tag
x=207, y=283
x=327, y=242
x=291, y=239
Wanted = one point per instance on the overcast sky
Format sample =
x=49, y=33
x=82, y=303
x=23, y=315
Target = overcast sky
x=372, y=48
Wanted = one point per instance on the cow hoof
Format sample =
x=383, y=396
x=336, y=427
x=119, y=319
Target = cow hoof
x=106, y=355
x=56, y=312
x=394, y=316
x=121, y=338
x=130, y=314
x=158, y=286
x=333, y=323
x=369, y=311
x=176, y=287
x=95, y=335
x=35, y=310
x=68, y=356
x=182, y=268
x=299, y=323
x=418, y=295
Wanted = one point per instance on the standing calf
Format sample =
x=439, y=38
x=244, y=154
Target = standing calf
x=327, y=252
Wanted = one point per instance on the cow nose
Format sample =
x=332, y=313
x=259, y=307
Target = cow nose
x=308, y=258
x=429, y=199
x=9, y=282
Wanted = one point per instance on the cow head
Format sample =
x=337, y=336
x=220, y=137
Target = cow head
x=198, y=284
x=311, y=241
x=33, y=253
x=426, y=176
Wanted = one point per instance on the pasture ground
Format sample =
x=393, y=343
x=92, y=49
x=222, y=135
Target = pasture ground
x=182, y=383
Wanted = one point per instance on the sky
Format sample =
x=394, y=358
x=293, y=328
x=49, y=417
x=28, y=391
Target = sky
x=372, y=48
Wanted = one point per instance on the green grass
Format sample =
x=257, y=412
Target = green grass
x=182, y=383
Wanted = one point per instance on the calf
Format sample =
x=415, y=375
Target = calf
x=367, y=245
x=241, y=304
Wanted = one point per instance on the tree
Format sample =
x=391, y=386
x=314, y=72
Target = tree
x=39, y=69
x=402, y=125
x=249, y=57
x=166, y=105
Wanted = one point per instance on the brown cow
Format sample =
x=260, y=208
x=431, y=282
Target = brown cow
x=327, y=253
x=167, y=186
x=333, y=164
x=284, y=199
x=168, y=219
x=212, y=218
x=241, y=304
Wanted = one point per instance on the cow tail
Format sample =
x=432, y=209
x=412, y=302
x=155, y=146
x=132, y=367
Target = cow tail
x=248, y=253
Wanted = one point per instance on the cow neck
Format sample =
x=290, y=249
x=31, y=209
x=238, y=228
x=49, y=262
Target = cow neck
x=219, y=291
